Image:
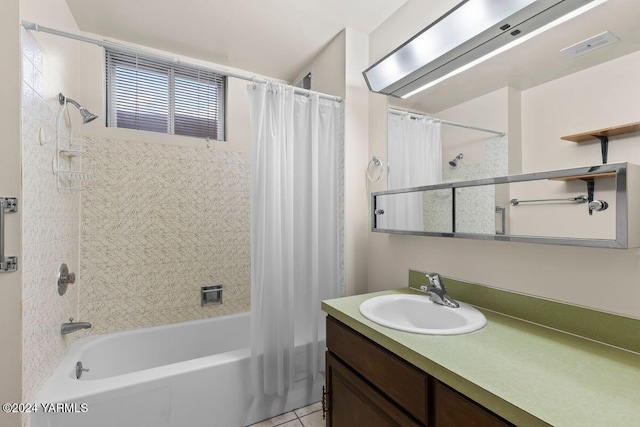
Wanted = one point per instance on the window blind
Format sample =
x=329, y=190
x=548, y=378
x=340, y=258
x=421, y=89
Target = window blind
x=156, y=95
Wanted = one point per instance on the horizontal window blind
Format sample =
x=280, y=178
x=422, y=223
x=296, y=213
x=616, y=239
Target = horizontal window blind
x=155, y=95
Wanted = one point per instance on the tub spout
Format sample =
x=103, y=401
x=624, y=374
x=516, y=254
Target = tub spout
x=72, y=326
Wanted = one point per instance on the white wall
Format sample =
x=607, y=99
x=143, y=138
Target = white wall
x=599, y=97
x=62, y=56
x=356, y=158
x=10, y=283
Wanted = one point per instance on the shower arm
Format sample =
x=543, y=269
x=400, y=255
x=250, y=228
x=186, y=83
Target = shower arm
x=64, y=99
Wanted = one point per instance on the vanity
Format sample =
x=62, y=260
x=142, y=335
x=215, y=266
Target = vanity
x=536, y=363
x=373, y=387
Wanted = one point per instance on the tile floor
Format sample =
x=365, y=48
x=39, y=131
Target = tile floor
x=309, y=416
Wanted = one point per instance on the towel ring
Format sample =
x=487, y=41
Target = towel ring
x=377, y=161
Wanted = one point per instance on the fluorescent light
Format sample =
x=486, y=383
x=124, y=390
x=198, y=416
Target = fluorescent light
x=508, y=46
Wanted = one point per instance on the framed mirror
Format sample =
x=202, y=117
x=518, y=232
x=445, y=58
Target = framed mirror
x=585, y=206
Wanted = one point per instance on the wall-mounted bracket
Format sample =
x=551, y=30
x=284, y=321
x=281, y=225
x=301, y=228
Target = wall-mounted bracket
x=10, y=263
x=591, y=186
x=604, y=147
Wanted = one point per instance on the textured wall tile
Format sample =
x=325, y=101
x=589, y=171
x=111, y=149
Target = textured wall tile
x=158, y=223
x=50, y=235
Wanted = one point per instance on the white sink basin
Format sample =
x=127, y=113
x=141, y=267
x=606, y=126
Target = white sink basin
x=418, y=314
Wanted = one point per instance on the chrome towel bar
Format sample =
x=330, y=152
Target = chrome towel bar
x=577, y=199
x=7, y=264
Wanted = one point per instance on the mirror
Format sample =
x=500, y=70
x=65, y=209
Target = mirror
x=423, y=150
x=494, y=93
x=582, y=206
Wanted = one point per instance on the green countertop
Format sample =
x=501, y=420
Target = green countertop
x=526, y=373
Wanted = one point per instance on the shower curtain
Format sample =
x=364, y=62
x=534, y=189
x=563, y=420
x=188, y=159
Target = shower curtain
x=295, y=142
x=415, y=159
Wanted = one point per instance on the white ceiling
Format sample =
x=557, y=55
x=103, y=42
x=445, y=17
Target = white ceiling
x=275, y=38
x=278, y=38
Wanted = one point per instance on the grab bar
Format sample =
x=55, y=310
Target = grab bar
x=7, y=264
x=577, y=199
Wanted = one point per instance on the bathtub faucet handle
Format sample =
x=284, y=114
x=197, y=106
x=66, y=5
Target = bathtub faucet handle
x=80, y=370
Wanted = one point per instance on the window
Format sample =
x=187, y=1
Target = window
x=155, y=95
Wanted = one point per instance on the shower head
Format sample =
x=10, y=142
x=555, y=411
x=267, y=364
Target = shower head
x=87, y=116
x=454, y=163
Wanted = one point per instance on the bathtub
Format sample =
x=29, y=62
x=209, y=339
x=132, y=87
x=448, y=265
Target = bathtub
x=187, y=374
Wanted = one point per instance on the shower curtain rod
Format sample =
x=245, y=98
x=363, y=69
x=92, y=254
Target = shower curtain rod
x=444, y=122
x=105, y=43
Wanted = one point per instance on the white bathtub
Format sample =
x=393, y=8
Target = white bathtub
x=188, y=374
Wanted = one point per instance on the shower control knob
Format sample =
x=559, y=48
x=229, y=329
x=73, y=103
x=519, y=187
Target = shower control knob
x=598, y=205
x=65, y=278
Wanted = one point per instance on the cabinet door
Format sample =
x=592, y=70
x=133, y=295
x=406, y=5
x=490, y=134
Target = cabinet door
x=399, y=382
x=353, y=402
x=454, y=410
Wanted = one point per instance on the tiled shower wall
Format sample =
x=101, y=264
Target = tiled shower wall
x=50, y=233
x=158, y=223
x=475, y=206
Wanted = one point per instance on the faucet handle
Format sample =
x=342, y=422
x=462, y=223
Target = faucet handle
x=438, y=292
x=435, y=280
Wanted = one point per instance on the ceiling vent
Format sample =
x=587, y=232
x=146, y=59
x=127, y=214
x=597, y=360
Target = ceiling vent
x=590, y=44
x=466, y=35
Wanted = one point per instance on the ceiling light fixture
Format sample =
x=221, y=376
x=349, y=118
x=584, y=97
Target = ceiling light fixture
x=469, y=34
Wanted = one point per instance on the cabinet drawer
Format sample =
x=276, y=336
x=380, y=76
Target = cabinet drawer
x=399, y=381
x=453, y=409
x=353, y=402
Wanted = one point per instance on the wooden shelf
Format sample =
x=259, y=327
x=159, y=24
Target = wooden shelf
x=606, y=132
x=590, y=176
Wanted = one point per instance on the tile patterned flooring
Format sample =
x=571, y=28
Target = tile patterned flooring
x=309, y=416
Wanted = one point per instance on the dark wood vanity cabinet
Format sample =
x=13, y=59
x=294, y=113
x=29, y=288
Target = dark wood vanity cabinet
x=356, y=403
x=368, y=385
x=452, y=409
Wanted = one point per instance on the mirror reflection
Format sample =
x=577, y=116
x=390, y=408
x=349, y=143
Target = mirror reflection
x=424, y=150
x=588, y=204
x=576, y=61
x=418, y=211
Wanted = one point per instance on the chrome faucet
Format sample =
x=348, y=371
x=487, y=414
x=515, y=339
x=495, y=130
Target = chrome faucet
x=72, y=326
x=437, y=291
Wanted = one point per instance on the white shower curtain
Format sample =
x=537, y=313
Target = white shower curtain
x=415, y=159
x=295, y=142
